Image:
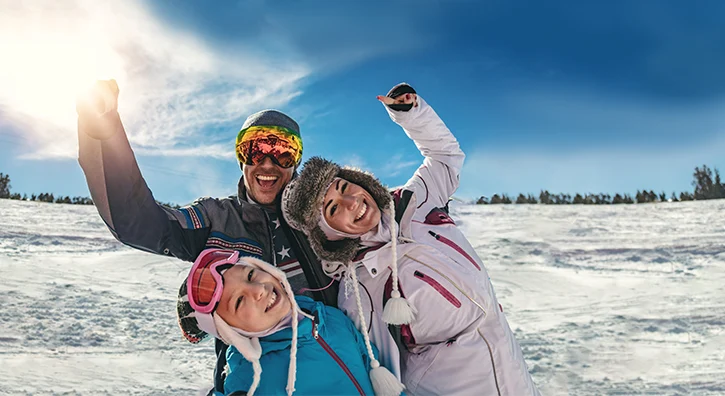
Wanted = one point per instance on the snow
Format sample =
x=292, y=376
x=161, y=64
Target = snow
x=611, y=300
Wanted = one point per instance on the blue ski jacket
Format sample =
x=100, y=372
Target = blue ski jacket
x=331, y=357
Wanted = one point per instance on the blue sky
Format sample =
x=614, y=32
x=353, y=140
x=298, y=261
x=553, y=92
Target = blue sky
x=564, y=96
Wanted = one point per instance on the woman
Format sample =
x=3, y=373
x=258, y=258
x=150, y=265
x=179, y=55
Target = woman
x=412, y=266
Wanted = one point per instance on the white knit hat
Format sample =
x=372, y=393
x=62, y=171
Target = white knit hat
x=195, y=326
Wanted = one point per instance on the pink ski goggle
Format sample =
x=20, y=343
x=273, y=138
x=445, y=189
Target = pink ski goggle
x=205, y=284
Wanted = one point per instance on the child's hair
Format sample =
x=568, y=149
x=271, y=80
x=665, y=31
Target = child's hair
x=187, y=322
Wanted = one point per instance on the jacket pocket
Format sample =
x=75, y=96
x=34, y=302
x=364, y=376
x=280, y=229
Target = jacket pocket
x=455, y=247
x=439, y=288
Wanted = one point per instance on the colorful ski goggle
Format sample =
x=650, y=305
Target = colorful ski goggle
x=205, y=283
x=283, y=145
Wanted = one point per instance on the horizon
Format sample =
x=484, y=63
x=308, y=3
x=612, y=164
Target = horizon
x=564, y=97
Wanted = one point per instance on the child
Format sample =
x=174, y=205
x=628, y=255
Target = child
x=302, y=345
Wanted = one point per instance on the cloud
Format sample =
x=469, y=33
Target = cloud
x=176, y=90
x=397, y=164
x=355, y=161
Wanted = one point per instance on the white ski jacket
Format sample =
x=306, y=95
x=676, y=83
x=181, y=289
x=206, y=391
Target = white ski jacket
x=460, y=342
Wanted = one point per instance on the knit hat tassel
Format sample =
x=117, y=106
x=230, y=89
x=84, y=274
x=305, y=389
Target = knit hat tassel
x=398, y=310
x=384, y=382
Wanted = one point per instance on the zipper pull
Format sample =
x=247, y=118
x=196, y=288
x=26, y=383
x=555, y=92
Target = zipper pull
x=434, y=235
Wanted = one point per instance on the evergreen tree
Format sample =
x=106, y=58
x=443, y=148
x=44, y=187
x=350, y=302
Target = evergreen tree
x=685, y=196
x=521, y=199
x=719, y=187
x=703, y=183
x=4, y=186
x=482, y=201
x=651, y=196
x=545, y=197
x=640, y=197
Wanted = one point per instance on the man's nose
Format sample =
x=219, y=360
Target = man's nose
x=267, y=161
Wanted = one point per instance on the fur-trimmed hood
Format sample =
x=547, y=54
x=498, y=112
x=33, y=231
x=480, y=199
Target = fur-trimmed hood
x=302, y=200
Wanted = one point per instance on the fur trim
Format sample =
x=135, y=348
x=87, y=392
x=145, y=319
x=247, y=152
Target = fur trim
x=303, y=196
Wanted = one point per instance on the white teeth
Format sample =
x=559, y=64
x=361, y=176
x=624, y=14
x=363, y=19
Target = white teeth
x=274, y=298
x=267, y=178
x=361, y=212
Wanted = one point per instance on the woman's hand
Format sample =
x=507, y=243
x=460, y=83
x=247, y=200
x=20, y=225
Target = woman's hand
x=404, y=99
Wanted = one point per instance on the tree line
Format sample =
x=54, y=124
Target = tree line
x=707, y=185
x=48, y=197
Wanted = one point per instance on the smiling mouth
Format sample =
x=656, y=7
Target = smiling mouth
x=266, y=181
x=362, y=211
x=273, y=301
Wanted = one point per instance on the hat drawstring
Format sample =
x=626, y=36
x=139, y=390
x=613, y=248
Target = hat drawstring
x=398, y=310
x=384, y=382
x=292, y=371
x=248, y=347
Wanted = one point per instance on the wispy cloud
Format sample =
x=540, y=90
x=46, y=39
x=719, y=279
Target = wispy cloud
x=356, y=161
x=175, y=88
x=396, y=164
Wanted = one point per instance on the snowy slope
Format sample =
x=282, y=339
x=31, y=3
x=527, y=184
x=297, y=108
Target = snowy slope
x=604, y=300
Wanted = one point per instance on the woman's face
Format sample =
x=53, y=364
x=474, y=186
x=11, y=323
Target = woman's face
x=252, y=299
x=349, y=208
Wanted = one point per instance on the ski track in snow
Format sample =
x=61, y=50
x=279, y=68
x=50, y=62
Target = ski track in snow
x=604, y=300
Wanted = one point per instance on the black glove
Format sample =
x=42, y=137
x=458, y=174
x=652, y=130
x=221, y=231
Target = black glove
x=400, y=89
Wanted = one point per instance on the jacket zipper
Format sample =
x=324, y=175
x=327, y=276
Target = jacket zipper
x=439, y=288
x=455, y=247
x=493, y=364
x=332, y=354
x=450, y=281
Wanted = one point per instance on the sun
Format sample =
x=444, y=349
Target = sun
x=45, y=69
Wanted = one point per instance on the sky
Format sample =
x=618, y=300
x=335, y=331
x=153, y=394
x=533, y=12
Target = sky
x=571, y=97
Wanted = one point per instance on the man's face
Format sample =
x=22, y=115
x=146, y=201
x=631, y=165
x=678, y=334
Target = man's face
x=266, y=180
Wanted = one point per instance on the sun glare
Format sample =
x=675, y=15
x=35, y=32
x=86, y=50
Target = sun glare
x=43, y=71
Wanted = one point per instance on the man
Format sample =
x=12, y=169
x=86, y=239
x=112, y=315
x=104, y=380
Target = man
x=269, y=149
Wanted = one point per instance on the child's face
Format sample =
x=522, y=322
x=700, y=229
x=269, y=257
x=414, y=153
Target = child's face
x=252, y=299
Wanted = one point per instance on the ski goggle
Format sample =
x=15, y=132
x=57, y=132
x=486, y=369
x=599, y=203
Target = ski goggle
x=205, y=283
x=255, y=143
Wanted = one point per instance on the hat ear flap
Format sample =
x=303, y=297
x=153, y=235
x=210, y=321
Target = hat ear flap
x=186, y=317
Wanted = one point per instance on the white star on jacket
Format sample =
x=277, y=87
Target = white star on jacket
x=283, y=253
x=276, y=223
